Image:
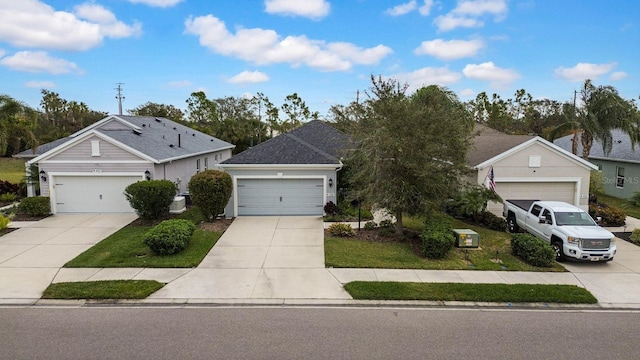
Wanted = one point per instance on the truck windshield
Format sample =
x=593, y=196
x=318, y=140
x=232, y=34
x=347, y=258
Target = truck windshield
x=574, y=218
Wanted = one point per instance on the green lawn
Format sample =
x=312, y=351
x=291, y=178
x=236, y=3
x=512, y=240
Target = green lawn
x=632, y=211
x=12, y=170
x=126, y=249
x=516, y=293
x=110, y=289
x=354, y=253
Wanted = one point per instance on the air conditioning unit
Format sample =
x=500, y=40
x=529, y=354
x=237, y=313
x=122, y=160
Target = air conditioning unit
x=466, y=238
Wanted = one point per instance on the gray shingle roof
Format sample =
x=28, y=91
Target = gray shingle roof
x=488, y=143
x=158, y=138
x=621, y=149
x=313, y=143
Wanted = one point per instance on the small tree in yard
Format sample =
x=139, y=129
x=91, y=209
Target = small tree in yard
x=210, y=191
x=151, y=199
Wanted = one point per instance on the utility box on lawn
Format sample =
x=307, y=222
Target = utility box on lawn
x=466, y=238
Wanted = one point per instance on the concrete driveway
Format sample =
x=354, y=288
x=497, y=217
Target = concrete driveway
x=31, y=256
x=275, y=257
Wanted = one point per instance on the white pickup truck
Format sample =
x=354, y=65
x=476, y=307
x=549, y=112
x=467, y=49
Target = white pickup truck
x=570, y=230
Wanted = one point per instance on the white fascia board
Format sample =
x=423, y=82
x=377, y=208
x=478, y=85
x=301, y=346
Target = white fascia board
x=196, y=154
x=614, y=160
x=101, y=122
x=580, y=161
x=279, y=166
x=62, y=147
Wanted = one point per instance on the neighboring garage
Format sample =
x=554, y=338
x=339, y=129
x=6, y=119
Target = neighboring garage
x=528, y=167
x=291, y=174
x=91, y=194
x=280, y=196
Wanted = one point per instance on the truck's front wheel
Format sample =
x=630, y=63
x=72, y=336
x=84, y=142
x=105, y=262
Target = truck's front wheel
x=557, y=247
x=512, y=225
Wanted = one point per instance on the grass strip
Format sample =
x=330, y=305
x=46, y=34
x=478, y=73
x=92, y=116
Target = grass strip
x=513, y=293
x=125, y=248
x=109, y=289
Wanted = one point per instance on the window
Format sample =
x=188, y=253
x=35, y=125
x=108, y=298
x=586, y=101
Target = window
x=536, y=210
x=198, y=165
x=547, y=215
x=206, y=163
x=95, y=148
x=619, y=177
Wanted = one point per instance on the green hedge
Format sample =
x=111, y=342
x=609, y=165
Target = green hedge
x=532, y=250
x=170, y=236
x=437, y=237
x=152, y=198
x=35, y=206
x=210, y=191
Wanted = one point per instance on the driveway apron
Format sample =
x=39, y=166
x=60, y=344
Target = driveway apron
x=31, y=256
x=275, y=257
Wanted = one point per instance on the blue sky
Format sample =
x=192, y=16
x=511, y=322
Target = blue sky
x=324, y=50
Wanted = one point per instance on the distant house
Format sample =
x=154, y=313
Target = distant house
x=291, y=174
x=528, y=167
x=89, y=170
x=620, y=168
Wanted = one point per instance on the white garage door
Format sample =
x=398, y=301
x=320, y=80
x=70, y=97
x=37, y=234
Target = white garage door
x=555, y=191
x=92, y=194
x=280, y=197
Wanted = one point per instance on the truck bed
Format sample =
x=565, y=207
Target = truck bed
x=522, y=204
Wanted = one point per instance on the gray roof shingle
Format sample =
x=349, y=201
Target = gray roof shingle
x=621, y=149
x=313, y=143
x=488, y=143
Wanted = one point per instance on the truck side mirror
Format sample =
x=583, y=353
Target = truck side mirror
x=542, y=219
x=598, y=219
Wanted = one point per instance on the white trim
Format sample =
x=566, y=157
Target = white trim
x=580, y=161
x=195, y=154
x=53, y=175
x=576, y=180
x=95, y=161
x=105, y=120
x=235, y=178
x=95, y=148
x=280, y=166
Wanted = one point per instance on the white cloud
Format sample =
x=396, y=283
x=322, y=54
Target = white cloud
x=179, y=84
x=156, y=3
x=488, y=71
x=402, y=9
x=314, y=9
x=262, y=47
x=450, y=50
x=2, y=52
x=425, y=9
x=40, y=84
x=467, y=93
x=584, y=71
x=38, y=61
x=31, y=23
x=249, y=77
x=428, y=76
x=618, y=75
x=468, y=13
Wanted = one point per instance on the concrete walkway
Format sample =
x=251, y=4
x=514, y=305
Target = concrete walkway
x=280, y=260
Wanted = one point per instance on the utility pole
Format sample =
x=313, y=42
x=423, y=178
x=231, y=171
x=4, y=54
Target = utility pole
x=120, y=97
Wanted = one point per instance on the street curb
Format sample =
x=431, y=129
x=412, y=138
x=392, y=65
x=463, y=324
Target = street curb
x=293, y=303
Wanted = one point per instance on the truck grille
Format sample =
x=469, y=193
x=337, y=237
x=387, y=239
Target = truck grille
x=595, y=244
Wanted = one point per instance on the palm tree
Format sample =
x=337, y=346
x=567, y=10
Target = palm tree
x=16, y=123
x=603, y=110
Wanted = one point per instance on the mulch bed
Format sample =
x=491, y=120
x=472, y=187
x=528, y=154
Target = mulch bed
x=218, y=225
x=25, y=217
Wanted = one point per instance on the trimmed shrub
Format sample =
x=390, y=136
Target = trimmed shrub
x=330, y=208
x=341, y=229
x=35, y=206
x=635, y=237
x=386, y=223
x=611, y=215
x=4, y=222
x=151, y=199
x=170, y=236
x=532, y=250
x=492, y=221
x=7, y=187
x=8, y=197
x=370, y=225
x=437, y=237
x=210, y=191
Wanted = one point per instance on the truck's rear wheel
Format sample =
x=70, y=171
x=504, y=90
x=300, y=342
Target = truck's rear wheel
x=512, y=225
x=557, y=247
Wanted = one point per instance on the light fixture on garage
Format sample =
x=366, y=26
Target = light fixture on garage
x=43, y=175
x=330, y=183
x=147, y=175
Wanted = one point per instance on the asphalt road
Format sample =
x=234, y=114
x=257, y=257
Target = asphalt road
x=314, y=333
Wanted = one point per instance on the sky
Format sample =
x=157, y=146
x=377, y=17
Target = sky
x=324, y=50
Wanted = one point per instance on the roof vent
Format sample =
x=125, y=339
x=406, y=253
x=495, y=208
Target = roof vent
x=144, y=125
x=158, y=120
x=175, y=128
x=170, y=145
x=137, y=132
x=194, y=134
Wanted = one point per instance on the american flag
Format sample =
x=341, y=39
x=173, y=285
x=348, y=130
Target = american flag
x=492, y=180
